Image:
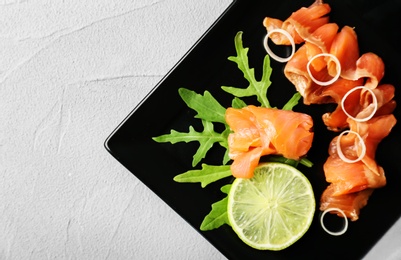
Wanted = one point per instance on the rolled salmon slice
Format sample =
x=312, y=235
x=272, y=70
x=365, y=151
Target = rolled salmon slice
x=300, y=25
x=348, y=178
x=324, y=36
x=368, y=66
x=278, y=38
x=259, y=131
x=351, y=183
x=358, y=103
x=308, y=20
x=293, y=131
x=337, y=120
x=373, y=132
x=345, y=47
x=295, y=70
x=351, y=177
x=371, y=67
x=351, y=204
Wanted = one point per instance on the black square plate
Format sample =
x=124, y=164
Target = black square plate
x=205, y=67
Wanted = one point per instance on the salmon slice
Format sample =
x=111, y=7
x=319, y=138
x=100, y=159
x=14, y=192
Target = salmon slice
x=324, y=36
x=317, y=64
x=293, y=131
x=352, y=183
x=345, y=47
x=358, y=103
x=248, y=134
x=307, y=20
x=300, y=25
x=387, y=108
x=385, y=104
x=295, y=71
x=351, y=204
x=259, y=131
x=322, y=40
x=373, y=132
x=278, y=38
x=347, y=178
x=384, y=95
x=245, y=163
x=353, y=67
x=352, y=177
x=371, y=67
x=337, y=120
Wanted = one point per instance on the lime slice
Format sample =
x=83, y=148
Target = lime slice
x=273, y=209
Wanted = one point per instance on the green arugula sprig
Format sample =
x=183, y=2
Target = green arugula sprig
x=255, y=88
x=207, y=107
x=207, y=175
x=210, y=111
x=207, y=138
x=218, y=215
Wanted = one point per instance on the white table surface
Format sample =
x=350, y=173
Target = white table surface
x=70, y=71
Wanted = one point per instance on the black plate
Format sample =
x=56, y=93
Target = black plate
x=206, y=67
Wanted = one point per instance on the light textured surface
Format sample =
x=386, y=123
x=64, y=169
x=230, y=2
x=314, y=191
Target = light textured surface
x=70, y=71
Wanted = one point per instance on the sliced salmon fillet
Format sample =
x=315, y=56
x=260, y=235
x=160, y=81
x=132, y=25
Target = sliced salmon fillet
x=307, y=20
x=358, y=103
x=385, y=104
x=353, y=66
x=351, y=183
x=295, y=71
x=300, y=25
x=259, y=131
x=353, y=74
x=351, y=177
x=351, y=204
x=337, y=120
x=347, y=178
x=278, y=38
x=324, y=36
x=371, y=67
x=345, y=47
x=373, y=132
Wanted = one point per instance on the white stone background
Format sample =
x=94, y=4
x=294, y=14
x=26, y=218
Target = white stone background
x=70, y=72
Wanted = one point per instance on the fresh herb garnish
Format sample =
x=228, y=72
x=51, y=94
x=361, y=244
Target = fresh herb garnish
x=206, y=106
x=255, y=88
x=206, y=139
x=218, y=215
x=207, y=175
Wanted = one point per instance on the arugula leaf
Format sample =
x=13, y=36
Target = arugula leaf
x=207, y=106
x=206, y=139
x=292, y=102
x=281, y=159
x=238, y=103
x=255, y=88
x=226, y=157
x=218, y=215
x=226, y=188
x=306, y=162
x=207, y=175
